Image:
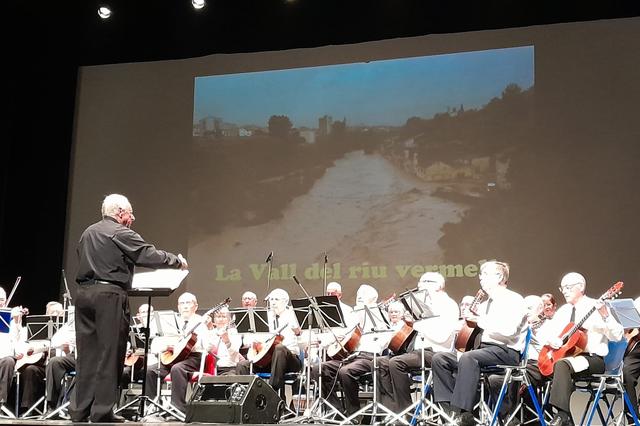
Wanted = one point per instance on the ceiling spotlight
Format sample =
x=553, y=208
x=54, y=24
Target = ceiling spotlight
x=104, y=12
x=197, y=4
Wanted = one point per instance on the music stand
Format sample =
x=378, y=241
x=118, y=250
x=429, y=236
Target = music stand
x=416, y=307
x=5, y=319
x=321, y=313
x=371, y=324
x=624, y=310
x=251, y=320
x=142, y=399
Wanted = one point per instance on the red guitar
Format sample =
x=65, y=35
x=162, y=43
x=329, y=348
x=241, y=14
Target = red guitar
x=466, y=337
x=181, y=350
x=574, y=338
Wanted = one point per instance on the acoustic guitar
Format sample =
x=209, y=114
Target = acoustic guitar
x=470, y=332
x=261, y=353
x=574, y=338
x=340, y=350
x=401, y=338
x=32, y=356
x=183, y=348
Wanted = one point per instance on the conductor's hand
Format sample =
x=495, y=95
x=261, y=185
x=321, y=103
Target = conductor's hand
x=184, y=265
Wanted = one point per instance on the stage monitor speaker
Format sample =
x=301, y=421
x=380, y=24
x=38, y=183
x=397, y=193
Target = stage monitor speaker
x=234, y=399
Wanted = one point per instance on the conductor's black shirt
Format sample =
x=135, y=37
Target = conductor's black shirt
x=108, y=251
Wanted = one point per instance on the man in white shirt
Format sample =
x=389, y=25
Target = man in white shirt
x=335, y=289
x=286, y=354
x=8, y=341
x=64, y=342
x=181, y=371
x=601, y=328
x=249, y=300
x=435, y=334
x=503, y=319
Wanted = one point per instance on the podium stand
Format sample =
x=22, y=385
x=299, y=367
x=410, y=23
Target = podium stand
x=142, y=399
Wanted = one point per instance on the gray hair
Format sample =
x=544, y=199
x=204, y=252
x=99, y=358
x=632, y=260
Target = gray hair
x=503, y=267
x=113, y=203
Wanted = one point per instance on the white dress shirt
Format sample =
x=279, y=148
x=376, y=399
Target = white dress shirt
x=505, y=323
x=439, y=331
x=227, y=354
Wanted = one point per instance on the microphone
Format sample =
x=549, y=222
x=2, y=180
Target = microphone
x=326, y=259
x=296, y=279
x=269, y=257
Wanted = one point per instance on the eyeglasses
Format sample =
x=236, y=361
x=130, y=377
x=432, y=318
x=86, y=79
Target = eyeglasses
x=567, y=287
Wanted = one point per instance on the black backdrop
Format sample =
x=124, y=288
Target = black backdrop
x=45, y=42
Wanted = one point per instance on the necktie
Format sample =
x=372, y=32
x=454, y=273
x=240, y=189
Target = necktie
x=184, y=326
x=275, y=320
x=488, y=306
x=573, y=314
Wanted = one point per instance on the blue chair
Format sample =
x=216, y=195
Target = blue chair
x=608, y=388
x=512, y=373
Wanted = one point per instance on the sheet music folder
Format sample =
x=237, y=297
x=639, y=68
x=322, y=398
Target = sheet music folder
x=329, y=307
x=624, y=310
x=252, y=320
x=161, y=282
x=5, y=319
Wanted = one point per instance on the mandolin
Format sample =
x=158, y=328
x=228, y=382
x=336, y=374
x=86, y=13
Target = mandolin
x=183, y=348
x=261, y=353
x=574, y=338
x=470, y=332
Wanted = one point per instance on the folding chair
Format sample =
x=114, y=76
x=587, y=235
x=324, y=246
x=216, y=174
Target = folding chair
x=607, y=388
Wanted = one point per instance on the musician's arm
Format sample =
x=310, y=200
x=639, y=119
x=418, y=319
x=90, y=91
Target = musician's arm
x=503, y=319
x=607, y=325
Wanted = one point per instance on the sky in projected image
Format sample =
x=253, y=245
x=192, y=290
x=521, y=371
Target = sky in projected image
x=366, y=162
x=376, y=93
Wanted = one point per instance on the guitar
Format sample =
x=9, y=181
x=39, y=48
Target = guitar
x=32, y=356
x=574, y=338
x=261, y=353
x=340, y=350
x=469, y=333
x=183, y=348
x=133, y=358
x=401, y=338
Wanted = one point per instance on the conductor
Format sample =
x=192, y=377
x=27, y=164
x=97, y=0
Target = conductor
x=108, y=250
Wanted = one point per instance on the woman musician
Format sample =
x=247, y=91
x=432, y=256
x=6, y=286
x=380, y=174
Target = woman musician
x=225, y=341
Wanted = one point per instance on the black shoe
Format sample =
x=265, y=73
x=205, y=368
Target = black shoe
x=113, y=418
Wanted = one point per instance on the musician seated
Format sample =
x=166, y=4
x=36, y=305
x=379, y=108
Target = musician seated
x=133, y=363
x=180, y=371
x=550, y=305
x=249, y=300
x=335, y=289
x=601, y=328
x=225, y=342
x=465, y=303
x=538, y=323
x=349, y=370
x=32, y=364
x=502, y=318
x=8, y=341
x=64, y=361
x=285, y=356
x=435, y=334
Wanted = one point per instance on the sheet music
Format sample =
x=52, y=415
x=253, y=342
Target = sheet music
x=159, y=279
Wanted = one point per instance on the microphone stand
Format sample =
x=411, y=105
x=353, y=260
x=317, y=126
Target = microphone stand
x=269, y=260
x=324, y=273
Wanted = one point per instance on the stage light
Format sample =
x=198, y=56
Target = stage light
x=197, y=4
x=104, y=12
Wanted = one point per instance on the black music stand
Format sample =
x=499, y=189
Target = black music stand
x=415, y=306
x=251, y=320
x=142, y=399
x=318, y=313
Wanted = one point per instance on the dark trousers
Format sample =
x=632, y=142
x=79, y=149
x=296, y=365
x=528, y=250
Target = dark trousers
x=7, y=369
x=393, y=377
x=102, y=325
x=32, y=383
x=181, y=373
x=456, y=381
x=348, y=375
x=56, y=369
x=282, y=361
x=630, y=372
x=562, y=385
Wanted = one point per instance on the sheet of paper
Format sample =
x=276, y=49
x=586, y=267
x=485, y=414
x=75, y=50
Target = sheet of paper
x=159, y=279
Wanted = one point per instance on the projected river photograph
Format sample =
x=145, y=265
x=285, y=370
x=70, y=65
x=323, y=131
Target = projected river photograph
x=368, y=171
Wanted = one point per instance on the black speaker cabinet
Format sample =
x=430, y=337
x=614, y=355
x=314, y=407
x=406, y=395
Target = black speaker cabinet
x=234, y=399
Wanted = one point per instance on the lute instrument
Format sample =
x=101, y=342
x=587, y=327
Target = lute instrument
x=183, y=348
x=470, y=332
x=261, y=353
x=573, y=336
